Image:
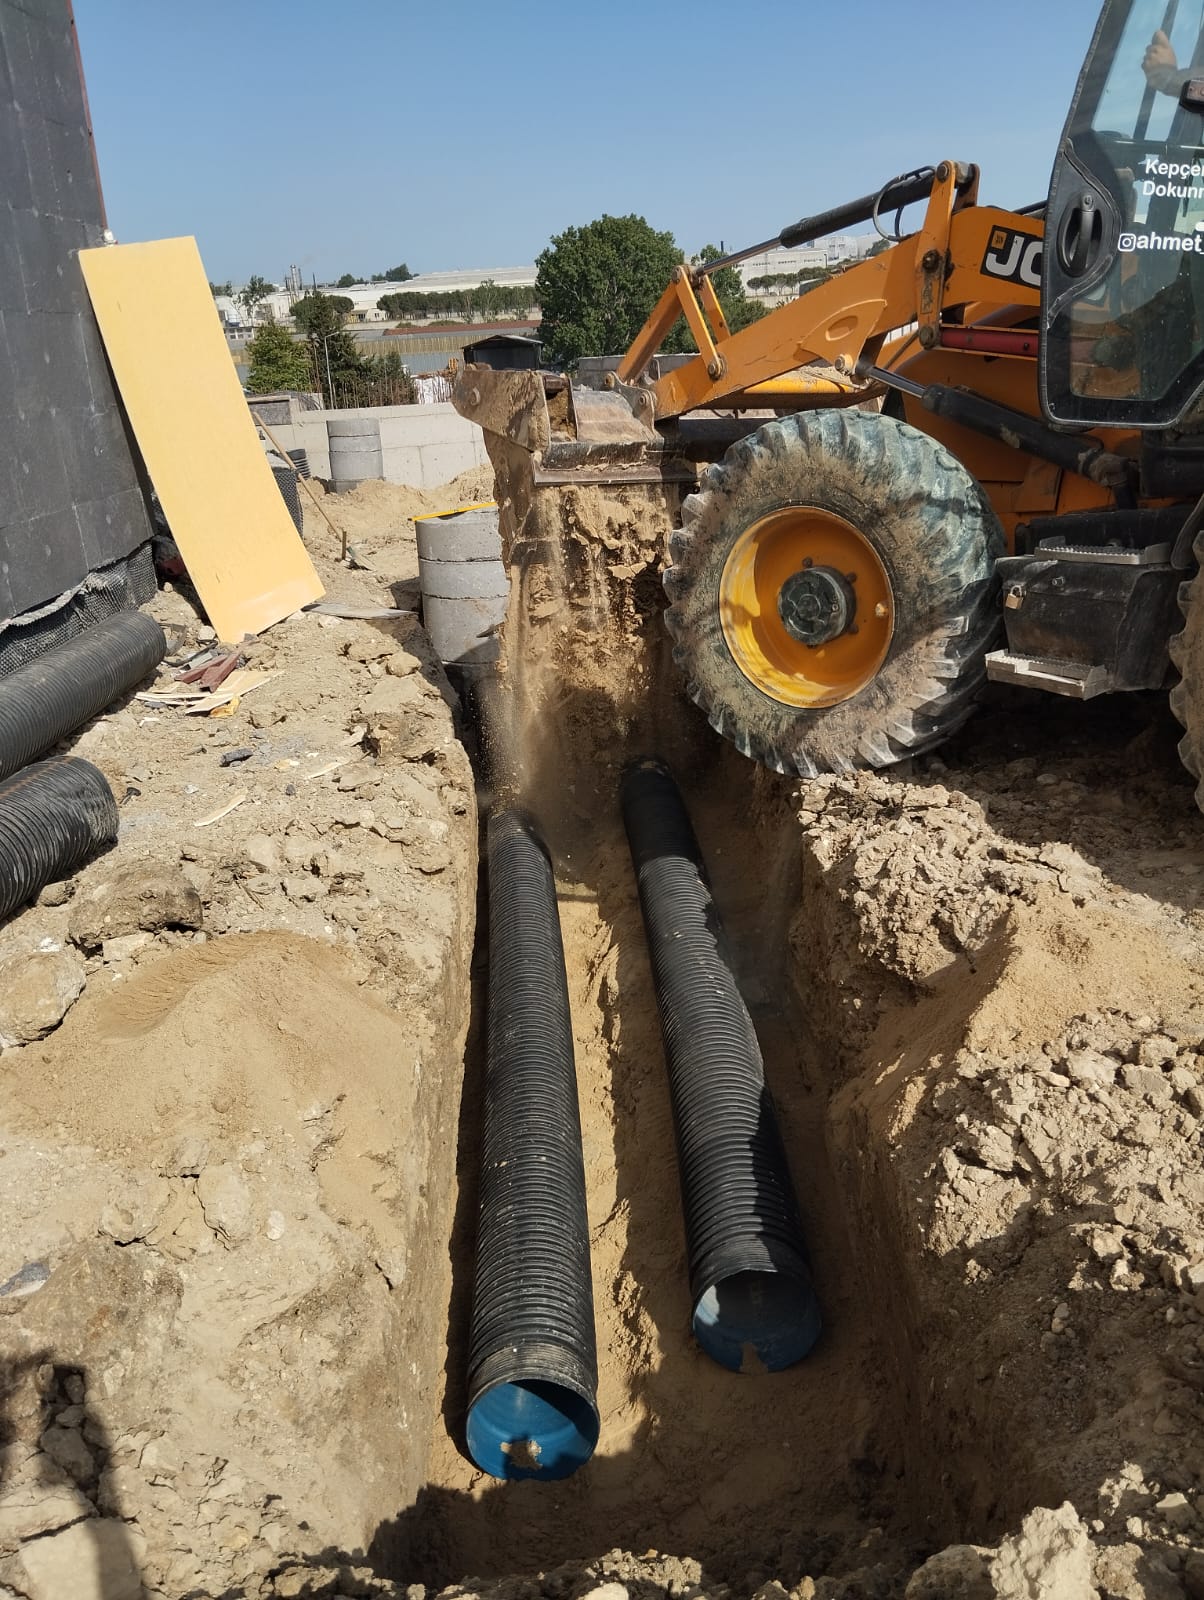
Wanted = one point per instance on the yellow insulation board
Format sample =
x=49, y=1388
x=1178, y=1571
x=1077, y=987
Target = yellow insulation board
x=181, y=393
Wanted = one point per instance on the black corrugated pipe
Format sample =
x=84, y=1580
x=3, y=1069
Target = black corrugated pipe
x=532, y=1363
x=754, y=1307
x=58, y=692
x=53, y=816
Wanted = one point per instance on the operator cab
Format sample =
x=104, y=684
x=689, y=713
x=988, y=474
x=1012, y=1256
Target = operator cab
x=1123, y=272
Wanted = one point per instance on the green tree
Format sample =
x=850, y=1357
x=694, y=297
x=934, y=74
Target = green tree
x=253, y=293
x=598, y=283
x=334, y=358
x=346, y=281
x=343, y=303
x=220, y=288
x=277, y=361
x=399, y=274
x=878, y=246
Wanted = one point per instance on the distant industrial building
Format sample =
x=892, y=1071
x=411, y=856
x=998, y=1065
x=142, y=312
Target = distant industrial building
x=823, y=255
x=364, y=297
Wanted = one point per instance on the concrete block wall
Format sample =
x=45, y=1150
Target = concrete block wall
x=422, y=446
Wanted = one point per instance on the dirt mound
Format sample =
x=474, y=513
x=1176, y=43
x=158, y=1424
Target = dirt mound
x=378, y=519
x=227, y=1177
x=249, y=1031
x=1021, y=1040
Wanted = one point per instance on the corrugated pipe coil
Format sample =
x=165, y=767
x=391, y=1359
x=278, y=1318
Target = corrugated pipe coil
x=754, y=1307
x=59, y=691
x=532, y=1365
x=53, y=817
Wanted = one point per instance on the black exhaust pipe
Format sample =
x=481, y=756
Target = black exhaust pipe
x=754, y=1307
x=58, y=692
x=53, y=817
x=532, y=1364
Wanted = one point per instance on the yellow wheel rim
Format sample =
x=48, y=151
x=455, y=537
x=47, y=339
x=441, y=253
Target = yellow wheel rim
x=769, y=552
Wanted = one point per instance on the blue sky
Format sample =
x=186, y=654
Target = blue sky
x=464, y=134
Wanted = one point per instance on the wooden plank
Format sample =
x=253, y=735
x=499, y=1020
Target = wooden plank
x=190, y=419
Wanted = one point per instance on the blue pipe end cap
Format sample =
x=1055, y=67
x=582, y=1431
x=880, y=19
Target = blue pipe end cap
x=757, y=1321
x=532, y=1429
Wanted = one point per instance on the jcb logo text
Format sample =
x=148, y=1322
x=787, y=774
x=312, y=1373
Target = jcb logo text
x=1013, y=256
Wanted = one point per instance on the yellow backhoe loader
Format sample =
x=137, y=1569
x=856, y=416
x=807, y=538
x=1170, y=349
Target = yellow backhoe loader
x=977, y=454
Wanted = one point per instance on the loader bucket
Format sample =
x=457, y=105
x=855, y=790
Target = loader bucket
x=588, y=495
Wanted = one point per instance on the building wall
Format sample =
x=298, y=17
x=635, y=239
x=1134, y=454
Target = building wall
x=69, y=495
x=422, y=446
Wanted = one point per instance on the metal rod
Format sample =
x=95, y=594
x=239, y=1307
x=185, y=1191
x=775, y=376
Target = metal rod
x=341, y=533
x=892, y=380
x=893, y=196
x=737, y=255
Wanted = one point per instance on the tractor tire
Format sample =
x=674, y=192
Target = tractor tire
x=899, y=528
x=1187, y=657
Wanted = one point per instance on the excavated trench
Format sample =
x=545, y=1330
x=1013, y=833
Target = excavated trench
x=752, y=1476
x=743, y=1474
x=995, y=1177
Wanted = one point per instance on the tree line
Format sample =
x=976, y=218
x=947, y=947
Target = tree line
x=399, y=274
x=789, y=280
x=483, y=303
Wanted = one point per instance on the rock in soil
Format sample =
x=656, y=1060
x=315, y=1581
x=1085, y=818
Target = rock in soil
x=36, y=992
x=133, y=897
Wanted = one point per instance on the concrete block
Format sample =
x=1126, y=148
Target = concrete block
x=310, y=433
x=284, y=432
x=441, y=462
x=403, y=464
x=420, y=429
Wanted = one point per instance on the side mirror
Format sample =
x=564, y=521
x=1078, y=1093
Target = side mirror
x=1191, y=96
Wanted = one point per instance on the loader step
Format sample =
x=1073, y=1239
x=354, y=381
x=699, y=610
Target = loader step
x=1077, y=680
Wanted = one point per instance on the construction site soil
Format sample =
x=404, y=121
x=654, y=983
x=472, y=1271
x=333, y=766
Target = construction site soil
x=243, y=1084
